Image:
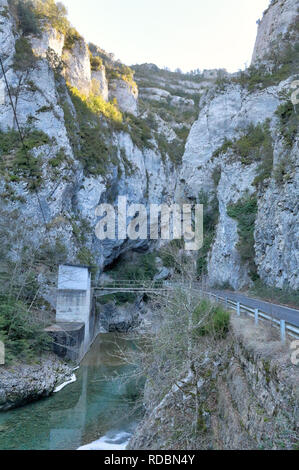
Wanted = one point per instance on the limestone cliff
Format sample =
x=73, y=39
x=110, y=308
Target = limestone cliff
x=96, y=129
x=276, y=29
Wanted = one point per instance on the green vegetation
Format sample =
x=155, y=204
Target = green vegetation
x=24, y=59
x=139, y=131
x=60, y=158
x=23, y=337
x=174, y=149
x=143, y=269
x=244, y=211
x=26, y=16
x=72, y=36
x=217, y=323
x=118, y=71
x=53, y=14
x=210, y=221
x=17, y=158
x=285, y=62
x=285, y=296
x=283, y=169
x=96, y=63
x=175, y=362
x=34, y=15
x=90, y=131
x=23, y=312
x=254, y=146
x=289, y=122
x=85, y=257
x=98, y=106
x=227, y=144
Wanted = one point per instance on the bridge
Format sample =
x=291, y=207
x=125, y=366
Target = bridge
x=132, y=287
x=76, y=321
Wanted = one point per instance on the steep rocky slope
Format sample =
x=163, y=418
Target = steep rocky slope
x=94, y=131
x=244, y=147
x=247, y=390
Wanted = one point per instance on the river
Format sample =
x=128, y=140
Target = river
x=97, y=411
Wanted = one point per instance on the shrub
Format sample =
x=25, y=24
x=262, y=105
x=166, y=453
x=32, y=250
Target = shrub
x=96, y=63
x=98, y=106
x=284, y=63
x=23, y=162
x=139, y=131
x=22, y=335
x=85, y=257
x=289, y=122
x=283, y=169
x=283, y=296
x=53, y=14
x=244, y=211
x=254, y=146
x=217, y=323
x=72, y=36
x=59, y=159
x=26, y=16
x=24, y=58
x=91, y=139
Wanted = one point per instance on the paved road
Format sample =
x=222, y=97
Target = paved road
x=280, y=312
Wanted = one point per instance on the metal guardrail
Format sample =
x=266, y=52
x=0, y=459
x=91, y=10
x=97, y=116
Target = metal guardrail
x=257, y=314
x=156, y=287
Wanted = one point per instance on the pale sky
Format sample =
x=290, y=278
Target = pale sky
x=188, y=34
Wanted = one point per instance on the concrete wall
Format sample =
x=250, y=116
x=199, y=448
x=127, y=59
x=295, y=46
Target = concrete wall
x=68, y=340
x=74, y=299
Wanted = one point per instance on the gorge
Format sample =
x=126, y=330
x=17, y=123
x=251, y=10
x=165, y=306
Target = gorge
x=79, y=129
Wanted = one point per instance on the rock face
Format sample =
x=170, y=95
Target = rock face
x=225, y=116
x=50, y=39
x=100, y=83
x=121, y=319
x=162, y=156
x=247, y=394
x=274, y=26
x=126, y=95
x=21, y=384
x=77, y=71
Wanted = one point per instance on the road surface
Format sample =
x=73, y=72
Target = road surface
x=280, y=312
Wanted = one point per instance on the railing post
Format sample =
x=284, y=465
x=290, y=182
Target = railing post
x=226, y=301
x=283, y=330
x=238, y=309
x=256, y=316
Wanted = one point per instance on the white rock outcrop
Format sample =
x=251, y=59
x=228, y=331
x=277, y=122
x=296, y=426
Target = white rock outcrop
x=99, y=83
x=50, y=39
x=273, y=27
x=77, y=70
x=126, y=95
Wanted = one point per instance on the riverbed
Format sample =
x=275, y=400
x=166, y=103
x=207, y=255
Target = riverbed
x=97, y=411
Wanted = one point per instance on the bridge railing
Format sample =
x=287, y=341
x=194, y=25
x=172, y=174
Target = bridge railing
x=123, y=285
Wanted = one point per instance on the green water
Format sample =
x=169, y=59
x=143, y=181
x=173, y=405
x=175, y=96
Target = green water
x=100, y=406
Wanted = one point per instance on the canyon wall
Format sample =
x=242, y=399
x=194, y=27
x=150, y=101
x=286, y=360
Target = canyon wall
x=180, y=137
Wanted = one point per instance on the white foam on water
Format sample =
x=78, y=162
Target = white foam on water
x=60, y=387
x=117, y=442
